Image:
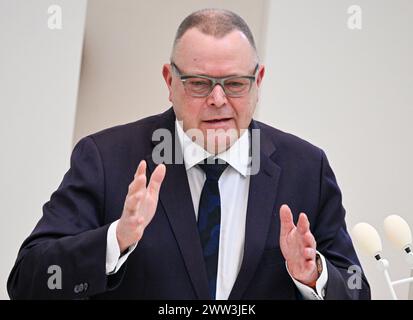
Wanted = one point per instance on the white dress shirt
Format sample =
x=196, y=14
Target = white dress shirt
x=234, y=189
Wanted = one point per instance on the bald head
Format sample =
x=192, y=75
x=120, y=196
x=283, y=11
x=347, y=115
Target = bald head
x=216, y=23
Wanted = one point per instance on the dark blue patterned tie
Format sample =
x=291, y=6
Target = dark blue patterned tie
x=209, y=221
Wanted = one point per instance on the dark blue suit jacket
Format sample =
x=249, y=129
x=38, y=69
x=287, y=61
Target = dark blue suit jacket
x=168, y=261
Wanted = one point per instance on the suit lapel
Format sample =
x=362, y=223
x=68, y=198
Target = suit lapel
x=175, y=197
x=260, y=210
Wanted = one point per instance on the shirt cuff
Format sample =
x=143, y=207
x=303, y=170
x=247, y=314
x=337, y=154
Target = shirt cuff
x=114, y=260
x=319, y=292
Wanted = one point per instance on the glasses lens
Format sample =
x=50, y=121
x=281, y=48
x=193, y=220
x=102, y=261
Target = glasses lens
x=198, y=86
x=237, y=86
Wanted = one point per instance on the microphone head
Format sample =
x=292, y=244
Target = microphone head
x=397, y=231
x=367, y=239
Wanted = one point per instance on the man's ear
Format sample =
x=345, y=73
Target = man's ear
x=260, y=75
x=167, y=75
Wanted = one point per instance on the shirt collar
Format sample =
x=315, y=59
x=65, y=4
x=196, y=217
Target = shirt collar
x=237, y=156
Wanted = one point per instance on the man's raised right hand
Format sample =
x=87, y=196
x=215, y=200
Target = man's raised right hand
x=140, y=205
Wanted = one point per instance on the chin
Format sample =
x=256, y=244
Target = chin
x=220, y=140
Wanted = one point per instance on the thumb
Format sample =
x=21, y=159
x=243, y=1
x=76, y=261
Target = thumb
x=286, y=219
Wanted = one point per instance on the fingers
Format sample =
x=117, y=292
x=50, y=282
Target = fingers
x=310, y=265
x=138, y=186
x=303, y=225
x=140, y=205
x=141, y=168
x=156, y=180
x=286, y=219
x=298, y=244
x=309, y=253
x=309, y=240
x=139, y=181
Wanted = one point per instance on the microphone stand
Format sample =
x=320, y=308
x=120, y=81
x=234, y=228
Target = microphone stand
x=383, y=265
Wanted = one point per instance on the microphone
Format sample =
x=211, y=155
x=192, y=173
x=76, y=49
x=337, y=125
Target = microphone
x=399, y=234
x=368, y=239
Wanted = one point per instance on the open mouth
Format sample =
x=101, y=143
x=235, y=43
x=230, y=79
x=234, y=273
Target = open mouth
x=223, y=120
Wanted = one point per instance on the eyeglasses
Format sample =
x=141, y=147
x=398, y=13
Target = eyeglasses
x=202, y=86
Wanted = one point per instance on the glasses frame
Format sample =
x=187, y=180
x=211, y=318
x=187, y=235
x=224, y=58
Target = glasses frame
x=215, y=81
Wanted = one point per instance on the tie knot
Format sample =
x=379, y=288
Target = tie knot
x=213, y=168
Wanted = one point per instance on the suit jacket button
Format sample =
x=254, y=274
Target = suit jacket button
x=79, y=288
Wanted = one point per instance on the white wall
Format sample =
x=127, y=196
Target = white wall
x=38, y=87
x=349, y=92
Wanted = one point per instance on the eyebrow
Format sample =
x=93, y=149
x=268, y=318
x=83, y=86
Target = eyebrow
x=222, y=77
x=226, y=76
x=208, y=75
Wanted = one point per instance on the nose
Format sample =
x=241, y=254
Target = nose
x=217, y=97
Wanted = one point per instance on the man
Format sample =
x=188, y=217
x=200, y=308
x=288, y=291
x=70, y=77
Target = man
x=199, y=229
